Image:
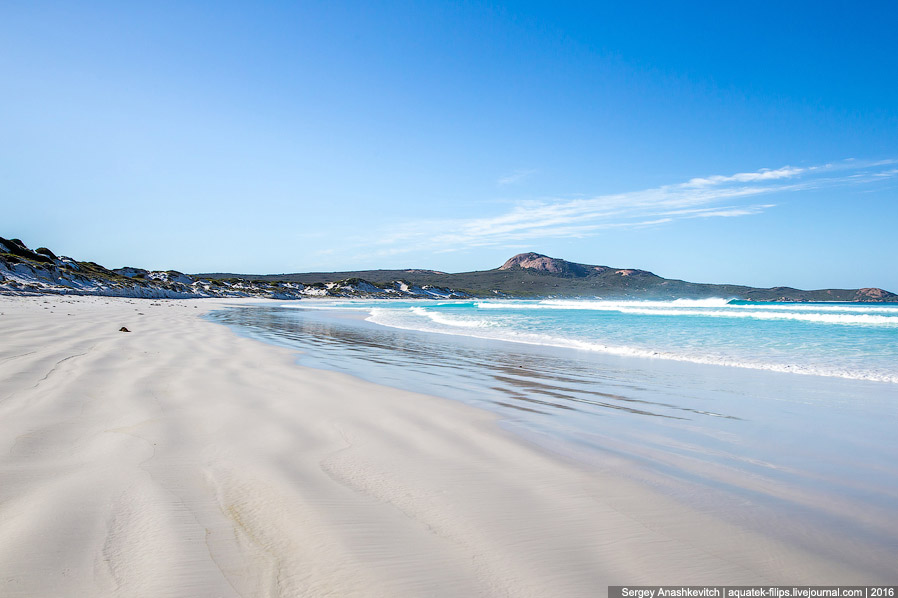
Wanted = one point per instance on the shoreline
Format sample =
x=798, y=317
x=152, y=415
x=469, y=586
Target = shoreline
x=183, y=459
x=686, y=430
x=627, y=352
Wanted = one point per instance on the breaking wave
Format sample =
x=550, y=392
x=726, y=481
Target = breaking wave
x=509, y=329
x=720, y=308
x=449, y=320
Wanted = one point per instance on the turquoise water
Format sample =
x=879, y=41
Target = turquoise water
x=847, y=340
x=777, y=416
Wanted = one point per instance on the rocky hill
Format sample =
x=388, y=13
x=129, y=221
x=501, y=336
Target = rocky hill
x=537, y=275
x=634, y=283
x=35, y=272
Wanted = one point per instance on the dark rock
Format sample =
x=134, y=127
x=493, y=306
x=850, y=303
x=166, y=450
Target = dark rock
x=46, y=252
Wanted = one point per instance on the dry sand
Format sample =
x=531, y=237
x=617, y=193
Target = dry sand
x=182, y=460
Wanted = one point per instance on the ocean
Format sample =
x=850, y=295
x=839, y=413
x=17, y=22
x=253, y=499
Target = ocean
x=845, y=340
x=779, y=416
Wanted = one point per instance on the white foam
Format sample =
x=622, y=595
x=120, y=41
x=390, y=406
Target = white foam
x=713, y=302
x=820, y=307
x=846, y=319
x=844, y=315
x=426, y=322
x=448, y=320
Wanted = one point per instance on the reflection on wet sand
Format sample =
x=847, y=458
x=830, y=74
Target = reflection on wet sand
x=513, y=375
x=745, y=444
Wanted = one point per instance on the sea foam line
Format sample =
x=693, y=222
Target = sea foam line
x=587, y=304
x=699, y=308
x=846, y=319
x=449, y=321
x=399, y=319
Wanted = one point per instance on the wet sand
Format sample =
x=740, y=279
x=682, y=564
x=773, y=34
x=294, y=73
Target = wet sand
x=180, y=459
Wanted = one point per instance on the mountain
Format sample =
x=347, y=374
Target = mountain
x=24, y=271
x=537, y=275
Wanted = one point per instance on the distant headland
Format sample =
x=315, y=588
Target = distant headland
x=24, y=271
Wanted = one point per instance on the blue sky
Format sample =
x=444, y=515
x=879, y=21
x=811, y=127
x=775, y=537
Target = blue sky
x=751, y=143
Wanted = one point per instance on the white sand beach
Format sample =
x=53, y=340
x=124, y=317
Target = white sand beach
x=179, y=459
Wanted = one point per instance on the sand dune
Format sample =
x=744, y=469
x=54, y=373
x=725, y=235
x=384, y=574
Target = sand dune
x=181, y=460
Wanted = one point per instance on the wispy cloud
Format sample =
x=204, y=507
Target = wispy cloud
x=765, y=174
x=716, y=196
x=518, y=176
